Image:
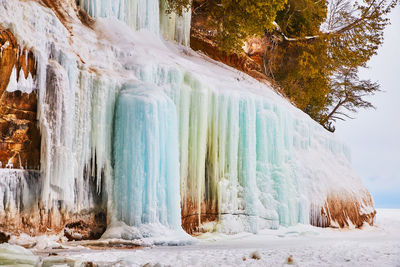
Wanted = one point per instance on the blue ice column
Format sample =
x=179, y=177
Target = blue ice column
x=247, y=159
x=146, y=157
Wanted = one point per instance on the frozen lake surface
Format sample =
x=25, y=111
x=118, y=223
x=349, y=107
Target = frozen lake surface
x=305, y=245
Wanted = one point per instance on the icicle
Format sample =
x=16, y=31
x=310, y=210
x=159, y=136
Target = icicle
x=147, y=181
x=144, y=15
x=173, y=26
x=10, y=165
x=13, y=83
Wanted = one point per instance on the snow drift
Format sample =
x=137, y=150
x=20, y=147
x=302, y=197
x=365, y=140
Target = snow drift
x=157, y=134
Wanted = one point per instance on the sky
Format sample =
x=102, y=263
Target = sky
x=374, y=136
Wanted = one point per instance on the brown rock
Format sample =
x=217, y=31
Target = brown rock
x=290, y=260
x=255, y=255
x=191, y=219
x=4, y=237
x=81, y=230
x=343, y=208
x=19, y=135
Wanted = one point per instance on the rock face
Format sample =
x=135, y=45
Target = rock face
x=21, y=209
x=203, y=39
x=20, y=137
x=344, y=210
x=250, y=61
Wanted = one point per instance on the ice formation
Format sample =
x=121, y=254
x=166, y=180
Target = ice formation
x=168, y=136
x=147, y=15
x=23, y=84
x=146, y=181
x=12, y=255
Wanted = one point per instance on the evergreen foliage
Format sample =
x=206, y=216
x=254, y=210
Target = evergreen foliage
x=238, y=20
x=178, y=6
x=321, y=51
x=316, y=46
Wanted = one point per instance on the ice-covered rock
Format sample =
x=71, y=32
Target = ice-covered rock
x=13, y=255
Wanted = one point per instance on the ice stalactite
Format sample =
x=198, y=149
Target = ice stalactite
x=57, y=137
x=173, y=26
x=76, y=119
x=105, y=8
x=20, y=191
x=147, y=180
x=138, y=14
x=23, y=84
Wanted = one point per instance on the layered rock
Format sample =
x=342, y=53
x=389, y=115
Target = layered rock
x=344, y=210
x=20, y=137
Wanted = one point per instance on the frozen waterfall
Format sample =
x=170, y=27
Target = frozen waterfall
x=157, y=134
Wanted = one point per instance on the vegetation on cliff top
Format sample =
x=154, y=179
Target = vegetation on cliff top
x=314, y=48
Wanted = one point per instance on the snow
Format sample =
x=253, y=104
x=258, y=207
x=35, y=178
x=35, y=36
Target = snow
x=306, y=245
x=147, y=234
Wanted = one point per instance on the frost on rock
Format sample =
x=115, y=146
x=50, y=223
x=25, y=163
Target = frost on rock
x=20, y=192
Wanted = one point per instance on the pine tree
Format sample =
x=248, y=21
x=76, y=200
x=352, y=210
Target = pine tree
x=238, y=20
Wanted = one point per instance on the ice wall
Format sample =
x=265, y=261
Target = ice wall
x=149, y=125
x=235, y=153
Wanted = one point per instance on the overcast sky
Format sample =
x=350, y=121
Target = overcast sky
x=374, y=136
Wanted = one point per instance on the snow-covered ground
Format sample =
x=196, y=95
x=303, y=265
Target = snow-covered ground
x=305, y=245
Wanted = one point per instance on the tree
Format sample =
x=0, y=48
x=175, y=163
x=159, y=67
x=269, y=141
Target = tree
x=178, y=6
x=237, y=20
x=356, y=32
x=352, y=34
x=348, y=92
x=312, y=46
x=300, y=64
